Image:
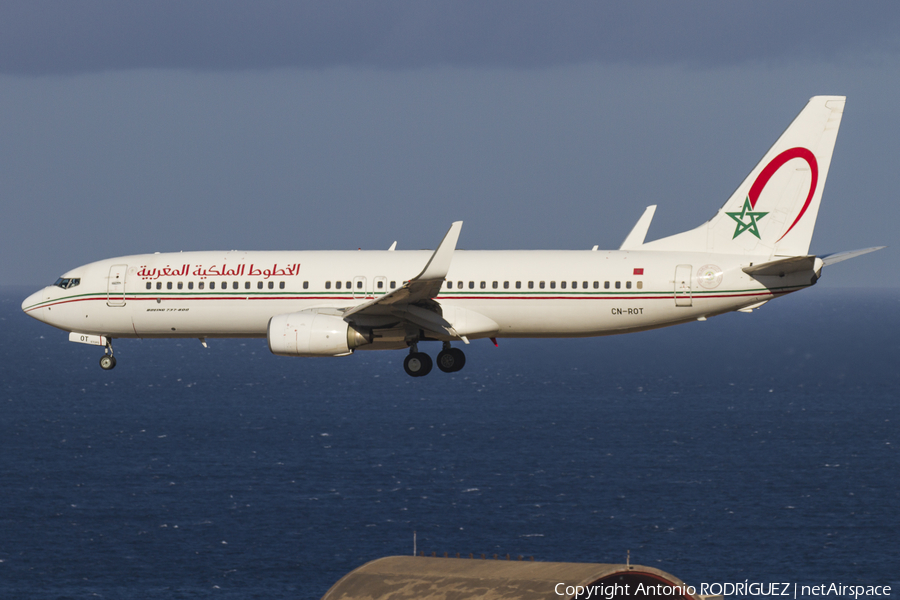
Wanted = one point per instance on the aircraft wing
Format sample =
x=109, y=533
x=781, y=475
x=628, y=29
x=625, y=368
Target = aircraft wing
x=421, y=288
x=414, y=302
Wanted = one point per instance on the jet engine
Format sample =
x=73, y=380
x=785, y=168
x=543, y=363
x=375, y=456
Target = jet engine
x=310, y=333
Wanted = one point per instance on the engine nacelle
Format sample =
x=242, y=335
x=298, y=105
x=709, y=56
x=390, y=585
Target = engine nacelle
x=309, y=333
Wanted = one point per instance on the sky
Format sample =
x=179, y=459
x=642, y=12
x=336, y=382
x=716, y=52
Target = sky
x=132, y=127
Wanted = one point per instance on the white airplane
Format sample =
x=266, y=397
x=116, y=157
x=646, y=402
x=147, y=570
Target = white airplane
x=333, y=303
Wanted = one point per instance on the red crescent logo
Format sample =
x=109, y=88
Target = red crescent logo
x=776, y=163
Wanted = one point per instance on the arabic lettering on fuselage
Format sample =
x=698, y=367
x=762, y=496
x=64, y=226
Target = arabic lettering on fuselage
x=223, y=270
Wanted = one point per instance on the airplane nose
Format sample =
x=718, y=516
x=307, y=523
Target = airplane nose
x=30, y=306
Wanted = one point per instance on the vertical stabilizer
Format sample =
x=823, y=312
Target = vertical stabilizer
x=773, y=212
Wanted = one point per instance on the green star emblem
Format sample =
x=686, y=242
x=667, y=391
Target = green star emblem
x=747, y=211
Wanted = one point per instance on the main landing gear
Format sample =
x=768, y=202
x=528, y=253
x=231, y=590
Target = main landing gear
x=108, y=361
x=419, y=364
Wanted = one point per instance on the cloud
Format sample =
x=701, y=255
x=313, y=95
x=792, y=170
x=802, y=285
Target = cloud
x=42, y=37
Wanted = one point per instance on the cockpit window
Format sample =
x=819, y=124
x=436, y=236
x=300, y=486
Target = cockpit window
x=67, y=283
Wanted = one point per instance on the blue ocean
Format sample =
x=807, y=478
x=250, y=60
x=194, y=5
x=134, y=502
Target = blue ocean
x=761, y=447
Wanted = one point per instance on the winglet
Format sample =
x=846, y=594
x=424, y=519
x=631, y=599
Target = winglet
x=636, y=238
x=439, y=263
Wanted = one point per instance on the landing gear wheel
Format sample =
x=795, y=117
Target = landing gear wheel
x=451, y=360
x=107, y=362
x=417, y=364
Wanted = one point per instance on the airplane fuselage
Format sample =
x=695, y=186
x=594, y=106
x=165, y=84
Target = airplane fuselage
x=526, y=293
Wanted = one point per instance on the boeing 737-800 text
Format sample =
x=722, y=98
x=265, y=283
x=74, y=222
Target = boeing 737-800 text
x=334, y=303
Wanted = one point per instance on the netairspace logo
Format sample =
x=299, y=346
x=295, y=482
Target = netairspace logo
x=744, y=588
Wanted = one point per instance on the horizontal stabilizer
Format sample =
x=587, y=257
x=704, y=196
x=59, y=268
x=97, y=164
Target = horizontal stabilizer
x=636, y=238
x=836, y=257
x=780, y=268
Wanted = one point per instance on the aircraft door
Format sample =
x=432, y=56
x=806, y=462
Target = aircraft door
x=359, y=287
x=683, y=285
x=115, y=288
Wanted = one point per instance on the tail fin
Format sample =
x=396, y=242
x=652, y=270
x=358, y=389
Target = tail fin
x=773, y=212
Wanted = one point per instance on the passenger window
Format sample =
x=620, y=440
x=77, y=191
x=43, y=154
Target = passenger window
x=280, y=285
x=180, y=285
x=337, y=284
x=224, y=285
x=596, y=285
x=628, y=285
x=200, y=285
x=449, y=285
x=359, y=285
x=246, y=285
x=505, y=285
x=328, y=285
x=483, y=285
x=518, y=285
x=541, y=285
x=471, y=285
x=459, y=285
x=259, y=285
x=348, y=285
x=605, y=285
x=618, y=285
x=168, y=285
x=530, y=285
x=305, y=285
x=393, y=284
x=640, y=285
x=575, y=285
x=552, y=285
x=149, y=285
x=562, y=284
x=271, y=285
x=212, y=285
x=380, y=284
x=190, y=285
x=235, y=285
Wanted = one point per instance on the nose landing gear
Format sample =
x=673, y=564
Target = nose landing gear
x=108, y=361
